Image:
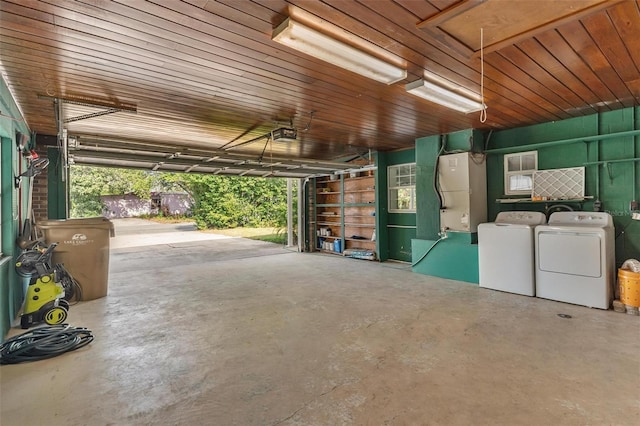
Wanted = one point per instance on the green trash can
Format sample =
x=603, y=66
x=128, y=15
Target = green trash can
x=83, y=248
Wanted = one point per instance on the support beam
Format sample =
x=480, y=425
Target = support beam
x=301, y=215
x=522, y=148
x=289, y=212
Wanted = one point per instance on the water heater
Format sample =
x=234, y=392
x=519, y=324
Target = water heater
x=462, y=183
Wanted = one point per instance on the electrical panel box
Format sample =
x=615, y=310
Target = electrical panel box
x=462, y=183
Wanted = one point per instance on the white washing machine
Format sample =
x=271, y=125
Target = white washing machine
x=575, y=258
x=506, y=255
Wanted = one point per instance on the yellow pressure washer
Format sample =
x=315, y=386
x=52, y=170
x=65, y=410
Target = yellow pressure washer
x=45, y=302
x=45, y=299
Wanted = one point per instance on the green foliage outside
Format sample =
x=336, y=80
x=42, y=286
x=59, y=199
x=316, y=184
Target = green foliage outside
x=219, y=201
x=277, y=238
x=89, y=183
x=233, y=201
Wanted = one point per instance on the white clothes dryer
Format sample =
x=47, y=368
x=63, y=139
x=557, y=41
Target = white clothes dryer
x=575, y=258
x=506, y=252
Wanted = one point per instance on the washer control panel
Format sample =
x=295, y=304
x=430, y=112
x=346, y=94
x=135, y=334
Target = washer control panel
x=598, y=219
x=521, y=218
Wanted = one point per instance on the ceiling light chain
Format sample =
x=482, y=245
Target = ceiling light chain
x=483, y=111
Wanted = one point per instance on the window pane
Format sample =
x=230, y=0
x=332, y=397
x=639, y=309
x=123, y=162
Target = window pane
x=393, y=172
x=529, y=162
x=404, y=199
x=513, y=163
x=393, y=199
x=404, y=181
x=520, y=183
x=518, y=172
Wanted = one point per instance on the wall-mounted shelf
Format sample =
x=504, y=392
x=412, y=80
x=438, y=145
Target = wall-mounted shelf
x=329, y=252
x=332, y=237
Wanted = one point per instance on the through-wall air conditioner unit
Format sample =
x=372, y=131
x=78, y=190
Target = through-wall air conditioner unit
x=284, y=134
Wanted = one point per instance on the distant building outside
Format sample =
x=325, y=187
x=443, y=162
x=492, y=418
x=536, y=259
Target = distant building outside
x=130, y=205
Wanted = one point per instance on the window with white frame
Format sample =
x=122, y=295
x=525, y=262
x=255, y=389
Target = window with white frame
x=518, y=172
x=402, y=188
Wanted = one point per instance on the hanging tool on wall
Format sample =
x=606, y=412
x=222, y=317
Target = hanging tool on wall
x=36, y=166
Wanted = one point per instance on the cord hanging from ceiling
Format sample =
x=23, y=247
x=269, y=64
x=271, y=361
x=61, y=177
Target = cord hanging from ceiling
x=264, y=148
x=271, y=158
x=308, y=126
x=483, y=111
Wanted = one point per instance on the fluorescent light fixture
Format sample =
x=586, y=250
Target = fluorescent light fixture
x=321, y=46
x=442, y=96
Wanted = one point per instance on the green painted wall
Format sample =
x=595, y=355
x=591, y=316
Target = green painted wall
x=615, y=187
x=11, y=286
x=396, y=229
x=455, y=258
x=382, y=206
x=428, y=206
x=8, y=283
x=463, y=141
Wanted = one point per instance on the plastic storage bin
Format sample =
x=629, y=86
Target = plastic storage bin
x=83, y=248
x=629, y=284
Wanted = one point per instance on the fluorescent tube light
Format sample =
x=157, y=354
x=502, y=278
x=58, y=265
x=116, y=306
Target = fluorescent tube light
x=321, y=46
x=445, y=97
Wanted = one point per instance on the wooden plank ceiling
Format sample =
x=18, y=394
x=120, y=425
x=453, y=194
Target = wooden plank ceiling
x=205, y=78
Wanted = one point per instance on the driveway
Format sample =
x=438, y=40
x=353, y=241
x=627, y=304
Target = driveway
x=139, y=243
x=133, y=232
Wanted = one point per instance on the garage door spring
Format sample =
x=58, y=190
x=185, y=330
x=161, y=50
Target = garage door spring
x=44, y=342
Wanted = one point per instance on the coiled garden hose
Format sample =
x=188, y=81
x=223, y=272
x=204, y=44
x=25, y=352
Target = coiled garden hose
x=44, y=342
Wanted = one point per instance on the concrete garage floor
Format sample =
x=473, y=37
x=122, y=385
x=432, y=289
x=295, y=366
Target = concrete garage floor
x=228, y=331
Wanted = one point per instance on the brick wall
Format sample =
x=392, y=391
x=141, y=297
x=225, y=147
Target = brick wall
x=40, y=186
